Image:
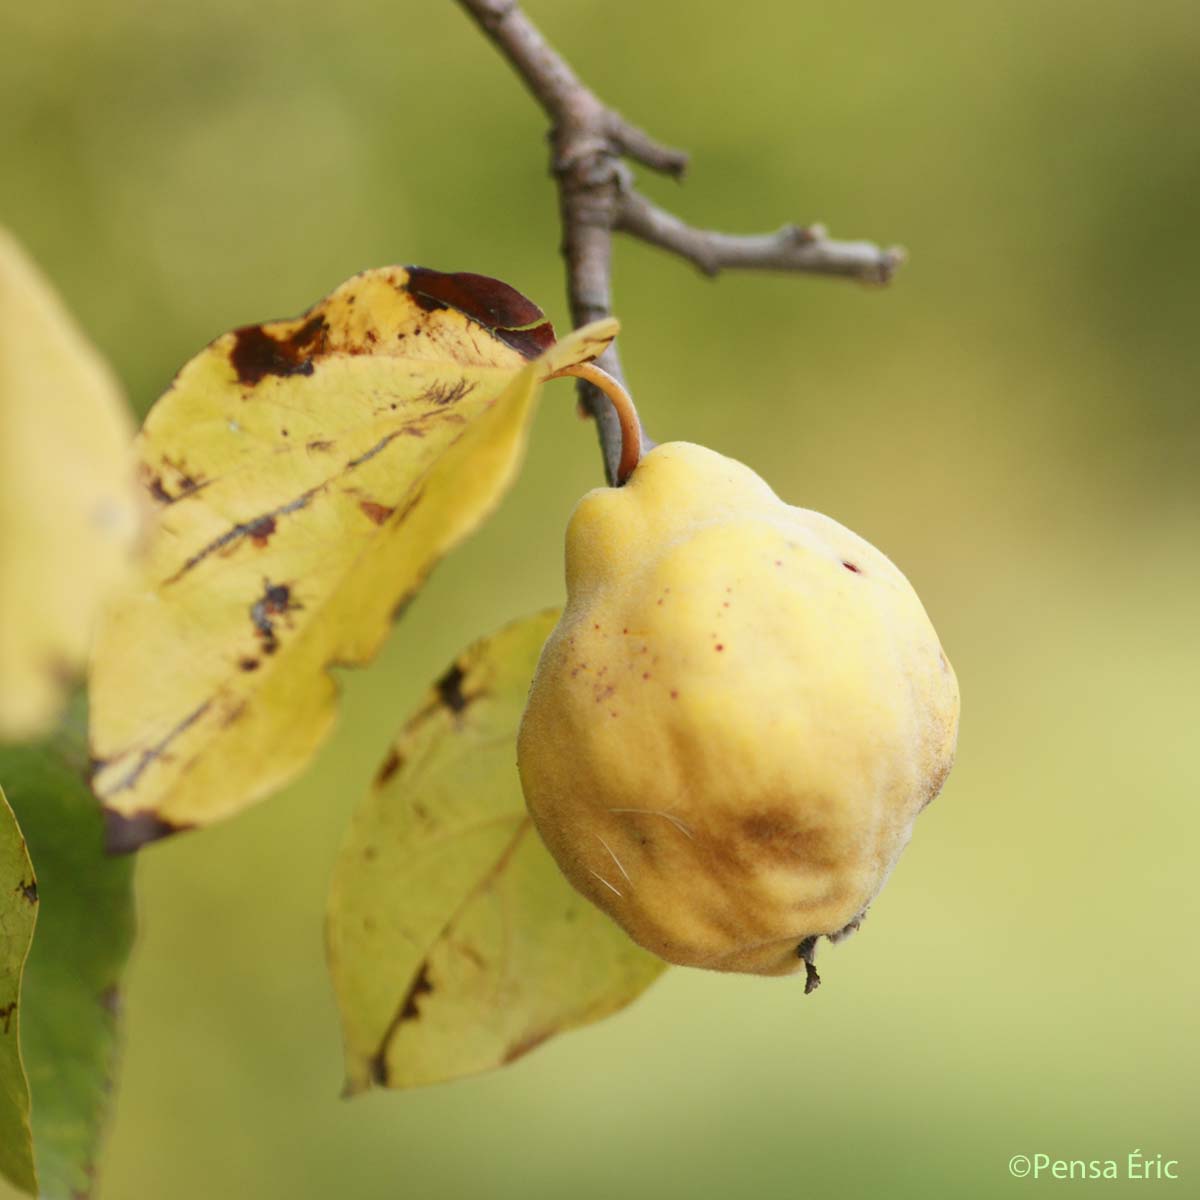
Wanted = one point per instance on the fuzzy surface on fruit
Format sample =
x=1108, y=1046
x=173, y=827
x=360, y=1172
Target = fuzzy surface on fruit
x=737, y=719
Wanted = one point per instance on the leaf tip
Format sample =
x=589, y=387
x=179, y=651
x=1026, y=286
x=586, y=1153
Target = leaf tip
x=499, y=308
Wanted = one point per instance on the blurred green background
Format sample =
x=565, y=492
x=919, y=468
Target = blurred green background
x=1014, y=422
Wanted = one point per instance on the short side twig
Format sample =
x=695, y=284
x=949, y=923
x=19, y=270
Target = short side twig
x=791, y=248
x=596, y=197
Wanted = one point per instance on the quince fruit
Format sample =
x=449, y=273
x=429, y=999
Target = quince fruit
x=736, y=720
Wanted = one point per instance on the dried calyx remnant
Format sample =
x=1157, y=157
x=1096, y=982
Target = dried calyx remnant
x=597, y=196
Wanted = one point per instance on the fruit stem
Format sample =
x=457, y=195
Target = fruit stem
x=622, y=402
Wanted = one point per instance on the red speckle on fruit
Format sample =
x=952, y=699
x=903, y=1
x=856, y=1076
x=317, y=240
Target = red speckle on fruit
x=674, y=694
x=851, y=567
x=719, y=646
x=645, y=674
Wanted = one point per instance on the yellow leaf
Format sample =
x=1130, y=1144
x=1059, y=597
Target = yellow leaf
x=455, y=943
x=68, y=512
x=307, y=475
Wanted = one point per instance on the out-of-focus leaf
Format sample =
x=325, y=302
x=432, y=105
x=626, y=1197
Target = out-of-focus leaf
x=18, y=913
x=308, y=474
x=70, y=994
x=68, y=507
x=455, y=943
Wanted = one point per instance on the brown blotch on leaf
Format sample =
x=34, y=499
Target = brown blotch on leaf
x=259, y=532
x=449, y=690
x=501, y=309
x=155, y=482
x=443, y=394
x=376, y=512
x=276, y=601
x=390, y=766
x=379, y=1071
x=256, y=354
x=6, y=1014
x=530, y=1042
x=154, y=486
x=28, y=891
x=125, y=834
x=420, y=986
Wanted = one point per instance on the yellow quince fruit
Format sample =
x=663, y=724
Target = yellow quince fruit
x=736, y=720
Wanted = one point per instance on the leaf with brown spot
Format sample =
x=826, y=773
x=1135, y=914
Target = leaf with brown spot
x=342, y=455
x=454, y=941
x=69, y=511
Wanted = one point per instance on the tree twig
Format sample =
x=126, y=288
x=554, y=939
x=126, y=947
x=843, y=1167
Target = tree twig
x=791, y=248
x=597, y=197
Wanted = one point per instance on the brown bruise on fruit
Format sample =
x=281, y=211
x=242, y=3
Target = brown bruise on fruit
x=773, y=836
